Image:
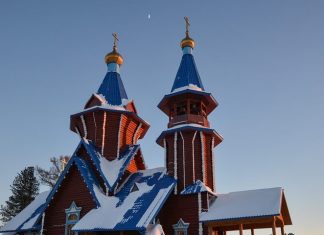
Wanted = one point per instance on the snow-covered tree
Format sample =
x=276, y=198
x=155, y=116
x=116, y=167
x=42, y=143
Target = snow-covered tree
x=49, y=177
x=24, y=189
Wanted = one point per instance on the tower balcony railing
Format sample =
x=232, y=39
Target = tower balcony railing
x=188, y=118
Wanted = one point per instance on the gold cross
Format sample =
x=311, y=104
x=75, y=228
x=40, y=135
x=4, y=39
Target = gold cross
x=187, y=24
x=115, y=39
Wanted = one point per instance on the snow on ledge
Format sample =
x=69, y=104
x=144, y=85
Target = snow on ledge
x=197, y=187
x=189, y=87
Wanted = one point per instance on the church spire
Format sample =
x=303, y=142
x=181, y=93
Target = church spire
x=188, y=141
x=112, y=88
x=187, y=75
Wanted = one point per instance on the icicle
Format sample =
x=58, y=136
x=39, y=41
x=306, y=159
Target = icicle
x=193, y=158
x=212, y=162
x=103, y=134
x=43, y=219
x=118, y=138
x=165, y=154
x=84, y=127
x=135, y=138
x=107, y=191
x=199, y=211
x=175, y=161
x=183, y=161
x=77, y=131
x=95, y=123
x=203, y=157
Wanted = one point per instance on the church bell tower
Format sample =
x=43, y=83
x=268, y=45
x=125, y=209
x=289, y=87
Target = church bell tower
x=189, y=140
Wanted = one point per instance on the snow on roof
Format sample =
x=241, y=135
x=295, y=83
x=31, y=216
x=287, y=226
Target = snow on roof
x=27, y=218
x=110, y=171
x=196, y=187
x=188, y=126
x=188, y=87
x=244, y=204
x=154, y=229
x=130, y=210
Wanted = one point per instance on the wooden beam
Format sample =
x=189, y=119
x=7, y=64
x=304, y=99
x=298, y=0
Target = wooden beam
x=241, y=229
x=252, y=231
x=274, y=226
x=282, y=230
x=252, y=221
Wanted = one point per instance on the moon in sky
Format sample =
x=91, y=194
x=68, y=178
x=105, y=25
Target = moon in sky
x=149, y=16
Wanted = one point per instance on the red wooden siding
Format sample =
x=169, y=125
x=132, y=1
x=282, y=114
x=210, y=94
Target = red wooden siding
x=72, y=189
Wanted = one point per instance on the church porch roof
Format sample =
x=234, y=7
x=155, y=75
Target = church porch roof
x=131, y=209
x=250, y=204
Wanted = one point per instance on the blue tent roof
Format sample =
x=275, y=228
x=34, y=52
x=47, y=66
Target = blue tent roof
x=187, y=73
x=112, y=89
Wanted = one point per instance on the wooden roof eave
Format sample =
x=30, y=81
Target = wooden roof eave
x=285, y=211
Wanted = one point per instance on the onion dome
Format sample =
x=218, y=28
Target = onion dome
x=114, y=56
x=187, y=41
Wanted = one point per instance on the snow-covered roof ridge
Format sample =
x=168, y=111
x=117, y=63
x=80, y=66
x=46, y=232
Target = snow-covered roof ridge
x=197, y=187
x=27, y=218
x=245, y=204
x=110, y=171
x=132, y=210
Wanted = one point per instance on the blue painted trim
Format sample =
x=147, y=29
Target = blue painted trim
x=61, y=178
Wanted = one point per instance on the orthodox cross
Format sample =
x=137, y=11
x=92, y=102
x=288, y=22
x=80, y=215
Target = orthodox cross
x=187, y=24
x=115, y=39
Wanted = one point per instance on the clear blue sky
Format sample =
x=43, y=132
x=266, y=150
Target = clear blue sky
x=262, y=60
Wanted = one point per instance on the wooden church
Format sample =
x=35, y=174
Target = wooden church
x=106, y=188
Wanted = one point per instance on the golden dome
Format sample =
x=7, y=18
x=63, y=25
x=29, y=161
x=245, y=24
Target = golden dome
x=187, y=42
x=114, y=57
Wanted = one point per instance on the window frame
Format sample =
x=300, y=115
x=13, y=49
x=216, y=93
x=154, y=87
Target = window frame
x=180, y=227
x=72, y=210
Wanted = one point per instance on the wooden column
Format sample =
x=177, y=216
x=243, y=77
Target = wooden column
x=241, y=229
x=274, y=226
x=282, y=230
x=210, y=230
x=252, y=231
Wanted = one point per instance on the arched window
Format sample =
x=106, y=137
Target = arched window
x=72, y=217
x=180, y=228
